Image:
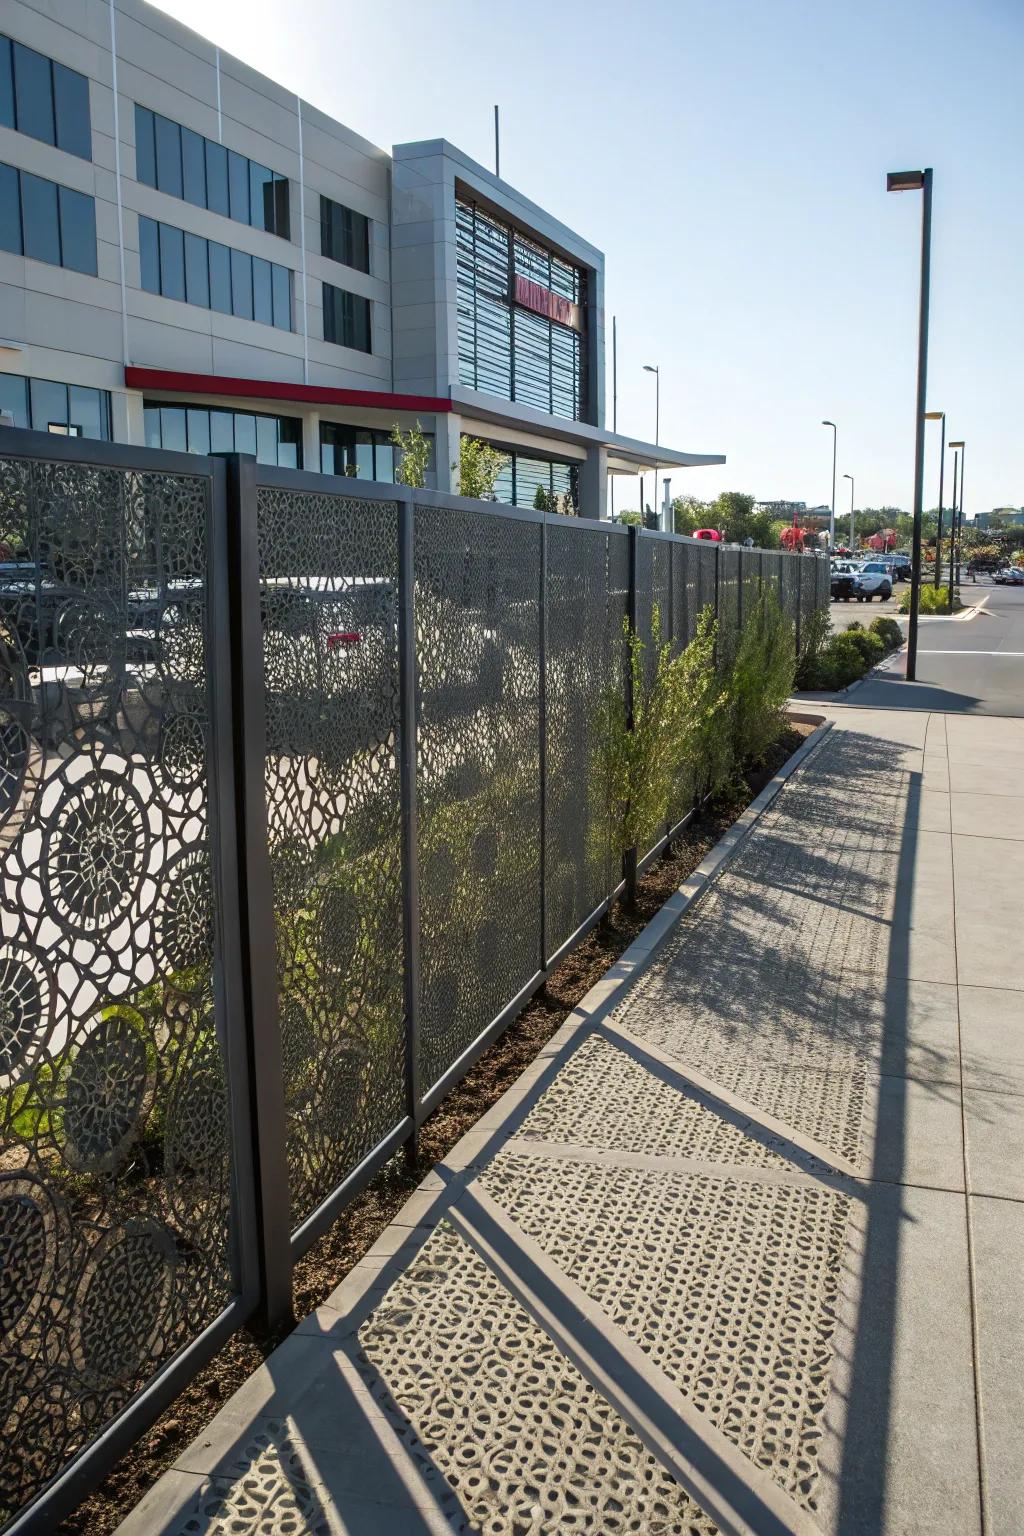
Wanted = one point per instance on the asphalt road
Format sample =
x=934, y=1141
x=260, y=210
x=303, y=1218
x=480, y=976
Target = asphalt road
x=965, y=665
x=845, y=614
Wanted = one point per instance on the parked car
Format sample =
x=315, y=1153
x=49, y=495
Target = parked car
x=901, y=566
x=874, y=579
x=1009, y=576
x=844, y=575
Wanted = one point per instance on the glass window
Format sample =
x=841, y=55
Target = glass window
x=49, y=405
x=282, y=283
x=145, y=147
x=344, y=234
x=282, y=213
x=151, y=414
x=337, y=447
x=172, y=262
x=149, y=254
x=222, y=432
x=197, y=277
x=241, y=285
x=173, y=432
x=245, y=432
x=39, y=223
x=262, y=292
x=364, y=453
x=289, y=442
x=89, y=411
x=384, y=459
x=216, y=178
x=6, y=85
x=220, y=278
x=238, y=186
x=71, y=111
x=33, y=91
x=346, y=318
x=266, y=439
x=193, y=167
x=10, y=210
x=14, y=398
x=198, y=425
x=261, y=196
x=77, y=231
x=168, y=155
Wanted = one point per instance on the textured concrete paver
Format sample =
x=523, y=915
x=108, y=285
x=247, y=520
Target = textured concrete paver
x=706, y=1266
x=998, y=1228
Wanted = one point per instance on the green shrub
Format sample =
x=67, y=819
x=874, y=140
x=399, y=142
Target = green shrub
x=888, y=631
x=871, y=647
x=412, y=456
x=479, y=467
x=933, y=600
x=760, y=679
x=813, y=640
x=842, y=662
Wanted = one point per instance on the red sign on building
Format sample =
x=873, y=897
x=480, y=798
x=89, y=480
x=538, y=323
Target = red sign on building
x=542, y=301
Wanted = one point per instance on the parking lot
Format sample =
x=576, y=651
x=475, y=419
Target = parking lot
x=844, y=614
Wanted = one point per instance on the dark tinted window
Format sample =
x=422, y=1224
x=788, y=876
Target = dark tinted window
x=40, y=227
x=33, y=91
x=197, y=280
x=281, y=278
x=282, y=218
x=241, y=285
x=78, y=231
x=172, y=262
x=238, y=186
x=220, y=278
x=151, y=413
x=6, y=85
x=216, y=178
x=168, y=156
x=71, y=109
x=262, y=292
x=49, y=405
x=289, y=442
x=193, y=167
x=261, y=196
x=346, y=318
x=149, y=254
x=344, y=234
x=10, y=210
x=14, y=398
x=145, y=147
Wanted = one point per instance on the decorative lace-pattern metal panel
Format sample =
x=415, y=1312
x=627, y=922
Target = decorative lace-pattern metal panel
x=730, y=1287
x=584, y=651
x=510, y=1435
x=114, y=1147
x=329, y=593
x=603, y=1097
x=478, y=677
x=274, y=1493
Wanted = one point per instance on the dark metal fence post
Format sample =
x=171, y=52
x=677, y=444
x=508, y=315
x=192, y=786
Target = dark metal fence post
x=410, y=832
x=542, y=716
x=799, y=598
x=273, y=1204
x=629, y=858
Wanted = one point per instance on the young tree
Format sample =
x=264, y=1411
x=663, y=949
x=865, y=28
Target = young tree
x=689, y=514
x=413, y=456
x=479, y=467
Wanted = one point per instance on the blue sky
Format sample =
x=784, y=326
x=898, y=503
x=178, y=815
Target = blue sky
x=729, y=157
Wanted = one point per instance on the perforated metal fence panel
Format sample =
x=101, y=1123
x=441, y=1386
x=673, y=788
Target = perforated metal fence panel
x=328, y=573
x=583, y=659
x=116, y=1229
x=728, y=601
x=750, y=580
x=478, y=765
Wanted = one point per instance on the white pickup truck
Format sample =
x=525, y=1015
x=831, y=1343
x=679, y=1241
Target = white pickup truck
x=874, y=579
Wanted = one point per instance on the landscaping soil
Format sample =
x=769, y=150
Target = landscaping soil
x=327, y=1262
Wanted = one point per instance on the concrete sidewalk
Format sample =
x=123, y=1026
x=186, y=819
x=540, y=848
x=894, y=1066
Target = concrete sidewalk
x=741, y=1252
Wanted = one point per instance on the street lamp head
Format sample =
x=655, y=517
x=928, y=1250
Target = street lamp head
x=828, y=423
x=649, y=369
x=960, y=444
x=934, y=415
x=904, y=181
x=847, y=477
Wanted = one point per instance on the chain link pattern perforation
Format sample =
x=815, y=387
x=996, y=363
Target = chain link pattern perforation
x=115, y=1237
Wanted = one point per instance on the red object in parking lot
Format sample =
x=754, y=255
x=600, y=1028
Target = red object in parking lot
x=343, y=637
x=708, y=533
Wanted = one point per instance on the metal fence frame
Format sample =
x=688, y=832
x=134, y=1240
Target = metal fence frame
x=246, y=979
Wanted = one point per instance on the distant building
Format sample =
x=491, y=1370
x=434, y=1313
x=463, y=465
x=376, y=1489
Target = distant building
x=787, y=510
x=1009, y=516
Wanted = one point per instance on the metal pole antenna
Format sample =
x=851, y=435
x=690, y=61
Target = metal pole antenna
x=956, y=466
x=657, y=405
x=922, y=390
x=832, y=521
x=497, y=144
x=615, y=396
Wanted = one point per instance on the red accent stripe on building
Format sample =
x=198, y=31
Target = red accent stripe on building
x=271, y=389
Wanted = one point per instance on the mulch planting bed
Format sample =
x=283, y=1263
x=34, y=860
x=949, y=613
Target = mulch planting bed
x=325, y=1265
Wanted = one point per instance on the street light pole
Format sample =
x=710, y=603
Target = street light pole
x=850, y=478
x=832, y=520
x=918, y=181
x=648, y=368
x=941, y=416
x=960, y=448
